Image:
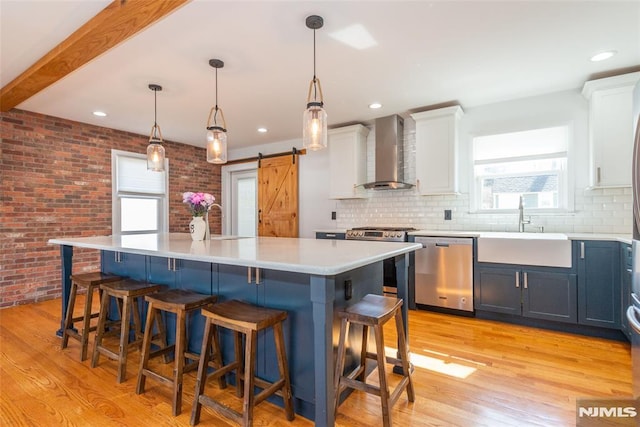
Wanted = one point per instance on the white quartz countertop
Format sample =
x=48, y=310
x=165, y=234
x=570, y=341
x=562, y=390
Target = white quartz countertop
x=311, y=256
x=624, y=238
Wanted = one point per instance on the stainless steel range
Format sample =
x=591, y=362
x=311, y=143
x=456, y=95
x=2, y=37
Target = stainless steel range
x=383, y=234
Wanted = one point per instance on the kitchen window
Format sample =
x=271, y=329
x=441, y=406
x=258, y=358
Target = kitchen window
x=530, y=163
x=139, y=201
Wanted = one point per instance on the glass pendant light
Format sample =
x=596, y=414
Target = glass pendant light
x=155, y=150
x=314, y=124
x=216, y=134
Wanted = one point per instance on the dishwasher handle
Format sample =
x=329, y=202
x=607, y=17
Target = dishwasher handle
x=443, y=242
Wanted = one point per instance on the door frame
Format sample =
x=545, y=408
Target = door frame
x=227, y=184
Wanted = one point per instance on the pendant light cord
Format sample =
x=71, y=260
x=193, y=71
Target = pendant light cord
x=315, y=97
x=155, y=108
x=215, y=122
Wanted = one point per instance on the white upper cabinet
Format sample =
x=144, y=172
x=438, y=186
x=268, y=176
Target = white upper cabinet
x=437, y=150
x=610, y=129
x=347, y=162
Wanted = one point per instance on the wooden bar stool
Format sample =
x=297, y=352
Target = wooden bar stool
x=245, y=319
x=180, y=302
x=91, y=282
x=374, y=311
x=128, y=293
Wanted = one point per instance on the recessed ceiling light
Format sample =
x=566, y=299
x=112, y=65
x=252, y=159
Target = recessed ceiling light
x=375, y=105
x=603, y=55
x=100, y=113
x=262, y=130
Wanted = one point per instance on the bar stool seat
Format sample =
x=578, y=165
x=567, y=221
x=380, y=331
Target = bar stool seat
x=128, y=294
x=374, y=311
x=180, y=302
x=91, y=282
x=247, y=319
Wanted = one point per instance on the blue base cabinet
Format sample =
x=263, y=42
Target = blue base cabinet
x=599, y=293
x=495, y=290
x=539, y=293
x=549, y=296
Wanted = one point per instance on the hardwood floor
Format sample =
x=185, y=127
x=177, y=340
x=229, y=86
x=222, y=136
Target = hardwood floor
x=468, y=372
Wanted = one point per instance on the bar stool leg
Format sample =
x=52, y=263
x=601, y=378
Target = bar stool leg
x=146, y=349
x=363, y=354
x=240, y=378
x=86, y=323
x=249, y=372
x=100, y=329
x=201, y=377
x=284, y=369
x=124, y=338
x=178, y=369
x=216, y=352
x=68, y=318
x=384, y=387
x=404, y=354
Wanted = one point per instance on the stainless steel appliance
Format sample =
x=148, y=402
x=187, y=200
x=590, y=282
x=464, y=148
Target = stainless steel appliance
x=444, y=273
x=389, y=144
x=633, y=311
x=383, y=234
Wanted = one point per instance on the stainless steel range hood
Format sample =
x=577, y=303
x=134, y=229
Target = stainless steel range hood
x=389, y=156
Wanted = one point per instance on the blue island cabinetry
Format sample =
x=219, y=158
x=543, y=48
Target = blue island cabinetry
x=288, y=291
x=308, y=278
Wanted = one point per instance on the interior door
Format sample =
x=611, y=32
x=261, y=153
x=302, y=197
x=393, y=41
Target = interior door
x=243, y=203
x=278, y=196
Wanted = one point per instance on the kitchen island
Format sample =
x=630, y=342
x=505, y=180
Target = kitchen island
x=308, y=278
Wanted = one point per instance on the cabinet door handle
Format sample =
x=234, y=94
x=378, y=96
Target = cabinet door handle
x=526, y=281
x=581, y=250
x=259, y=216
x=517, y=279
x=248, y=274
x=330, y=235
x=598, y=174
x=257, y=276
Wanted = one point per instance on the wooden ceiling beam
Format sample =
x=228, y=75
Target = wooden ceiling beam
x=115, y=23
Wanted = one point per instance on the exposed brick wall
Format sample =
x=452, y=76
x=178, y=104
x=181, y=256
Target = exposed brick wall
x=56, y=182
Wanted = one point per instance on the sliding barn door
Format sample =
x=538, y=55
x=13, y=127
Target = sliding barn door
x=278, y=196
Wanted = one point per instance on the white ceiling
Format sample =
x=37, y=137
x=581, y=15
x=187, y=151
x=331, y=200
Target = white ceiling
x=427, y=52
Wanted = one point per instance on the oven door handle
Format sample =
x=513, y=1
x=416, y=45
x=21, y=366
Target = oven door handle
x=442, y=245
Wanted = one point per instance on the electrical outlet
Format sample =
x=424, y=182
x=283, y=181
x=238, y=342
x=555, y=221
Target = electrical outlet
x=348, y=290
x=447, y=214
x=333, y=214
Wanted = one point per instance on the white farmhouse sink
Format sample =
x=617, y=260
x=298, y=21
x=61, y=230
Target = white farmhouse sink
x=544, y=249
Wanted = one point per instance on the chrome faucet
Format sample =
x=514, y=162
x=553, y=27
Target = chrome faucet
x=521, y=220
x=207, y=233
x=219, y=207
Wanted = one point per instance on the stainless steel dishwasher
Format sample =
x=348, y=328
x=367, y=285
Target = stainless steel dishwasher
x=444, y=273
